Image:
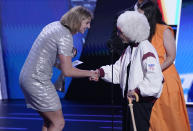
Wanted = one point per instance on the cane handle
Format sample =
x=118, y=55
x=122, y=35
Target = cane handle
x=136, y=98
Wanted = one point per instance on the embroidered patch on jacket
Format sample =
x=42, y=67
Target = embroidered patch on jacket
x=151, y=67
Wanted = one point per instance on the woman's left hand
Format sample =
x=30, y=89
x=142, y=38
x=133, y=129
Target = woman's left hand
x=131, y=95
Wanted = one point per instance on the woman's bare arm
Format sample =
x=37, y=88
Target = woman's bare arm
x=69, y=71
x=170, y=47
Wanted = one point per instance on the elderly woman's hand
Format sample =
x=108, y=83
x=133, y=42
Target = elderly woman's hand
x=94, y=75
x=131, y=95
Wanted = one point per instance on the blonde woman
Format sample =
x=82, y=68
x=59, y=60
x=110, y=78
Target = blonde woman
x=54, y=42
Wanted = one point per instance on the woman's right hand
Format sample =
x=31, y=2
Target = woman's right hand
x=94, y=75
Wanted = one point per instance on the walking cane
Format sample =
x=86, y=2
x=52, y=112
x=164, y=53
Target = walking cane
x=131, y=110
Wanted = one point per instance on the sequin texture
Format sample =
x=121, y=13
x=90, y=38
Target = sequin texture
x=35, y=76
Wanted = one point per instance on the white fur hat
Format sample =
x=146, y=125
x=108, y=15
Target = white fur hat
x=134, y=26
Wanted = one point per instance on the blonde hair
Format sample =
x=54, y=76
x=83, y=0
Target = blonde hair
x=74, y=17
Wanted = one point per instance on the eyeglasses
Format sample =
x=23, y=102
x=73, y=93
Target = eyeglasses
x=119, y=32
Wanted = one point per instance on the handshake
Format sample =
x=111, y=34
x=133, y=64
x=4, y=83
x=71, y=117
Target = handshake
x=94, y=75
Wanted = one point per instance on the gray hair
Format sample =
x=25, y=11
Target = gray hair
x=134, y=26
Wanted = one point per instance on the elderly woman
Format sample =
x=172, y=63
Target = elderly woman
x=169, y=113
x=137, y=70
x=54, y=42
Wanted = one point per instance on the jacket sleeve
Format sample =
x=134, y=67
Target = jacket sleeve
x=108, y=72
x=153, y=78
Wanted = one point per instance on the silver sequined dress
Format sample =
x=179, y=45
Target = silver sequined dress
x=35, y=76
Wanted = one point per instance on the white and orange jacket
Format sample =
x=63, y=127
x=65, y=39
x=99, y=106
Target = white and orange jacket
x=145, y=71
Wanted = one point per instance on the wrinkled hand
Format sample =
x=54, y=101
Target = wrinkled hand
x=95, y=75
x=131, y=95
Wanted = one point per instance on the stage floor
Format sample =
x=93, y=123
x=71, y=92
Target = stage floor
x=79, y=116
